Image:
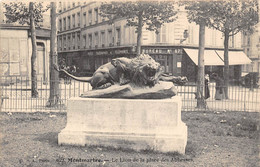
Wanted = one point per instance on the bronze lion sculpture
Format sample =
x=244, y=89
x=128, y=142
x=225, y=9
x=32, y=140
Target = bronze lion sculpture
x=140, y=71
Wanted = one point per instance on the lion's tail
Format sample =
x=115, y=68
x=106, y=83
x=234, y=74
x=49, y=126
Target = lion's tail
x=82, y=79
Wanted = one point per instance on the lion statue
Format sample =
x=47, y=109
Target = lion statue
x=141, y=71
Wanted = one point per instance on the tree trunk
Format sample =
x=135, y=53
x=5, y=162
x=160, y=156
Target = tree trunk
x=226, y=64
x=34, y=91
x=54, y=98
x=139, y=34
x=201, y=103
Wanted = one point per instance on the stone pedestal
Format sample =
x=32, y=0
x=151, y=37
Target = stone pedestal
x=126, y=123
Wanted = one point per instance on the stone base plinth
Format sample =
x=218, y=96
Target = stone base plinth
x=125, y=123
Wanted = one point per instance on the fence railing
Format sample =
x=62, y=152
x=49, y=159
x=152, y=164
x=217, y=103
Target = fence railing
x=16, y=96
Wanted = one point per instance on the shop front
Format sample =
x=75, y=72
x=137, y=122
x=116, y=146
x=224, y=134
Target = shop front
x=214, y=63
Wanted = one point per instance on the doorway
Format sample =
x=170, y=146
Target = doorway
x=40, y=62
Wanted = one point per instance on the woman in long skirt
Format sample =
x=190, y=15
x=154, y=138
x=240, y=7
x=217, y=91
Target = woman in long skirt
x=220, y=94
x=207, y=95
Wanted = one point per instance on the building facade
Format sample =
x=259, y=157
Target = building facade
x=87, y=40
x=251, y=45
x=16, y=48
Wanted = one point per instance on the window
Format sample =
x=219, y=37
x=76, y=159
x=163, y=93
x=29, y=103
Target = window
x=64, y=6
x=158, y=38
x=103, y=38
x=73, y=4
x=60, y=24
x=96, y=15
x=59, y=7
x=118, y=36
x=64, y=23
x=69, y=22
x=84, y=41
x=60, y=43
x=14, y=57
x=96, y=39
x=161, y=35
x=110, y=38
x=73, y=41
x=69, y=42
x=84, y=19
x=64, y=42
x=73, y=21
x=78, y=15
x=90, y=17
x=90, y=40
x=78, y=39
x=248, y=40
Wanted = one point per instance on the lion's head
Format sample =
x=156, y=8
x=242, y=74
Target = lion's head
x=145, y=71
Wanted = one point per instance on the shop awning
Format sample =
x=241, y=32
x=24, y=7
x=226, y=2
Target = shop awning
x=216, y=57
x=235, y=57
x=210, y=57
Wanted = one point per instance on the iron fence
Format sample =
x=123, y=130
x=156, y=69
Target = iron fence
x=16, y=96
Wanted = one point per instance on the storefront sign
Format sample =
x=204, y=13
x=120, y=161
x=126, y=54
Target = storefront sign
x=125, y=51
x=156, y=50
x=102, y=53
x=178, y=51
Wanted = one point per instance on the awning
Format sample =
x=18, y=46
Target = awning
x=244, y=74
x=235, y=57
x=216, y=57
x=210, y=57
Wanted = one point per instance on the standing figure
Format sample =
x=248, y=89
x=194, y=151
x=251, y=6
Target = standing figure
x=219, y=87
x=207, y=94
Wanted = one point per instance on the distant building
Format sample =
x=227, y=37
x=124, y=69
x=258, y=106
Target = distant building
x=87, y=40
x=251, y=46
x=16, y=49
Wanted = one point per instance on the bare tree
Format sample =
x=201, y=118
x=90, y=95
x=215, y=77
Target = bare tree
x=54, y=98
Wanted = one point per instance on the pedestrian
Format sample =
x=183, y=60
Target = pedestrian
x=220, y=94
x=207, y=93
